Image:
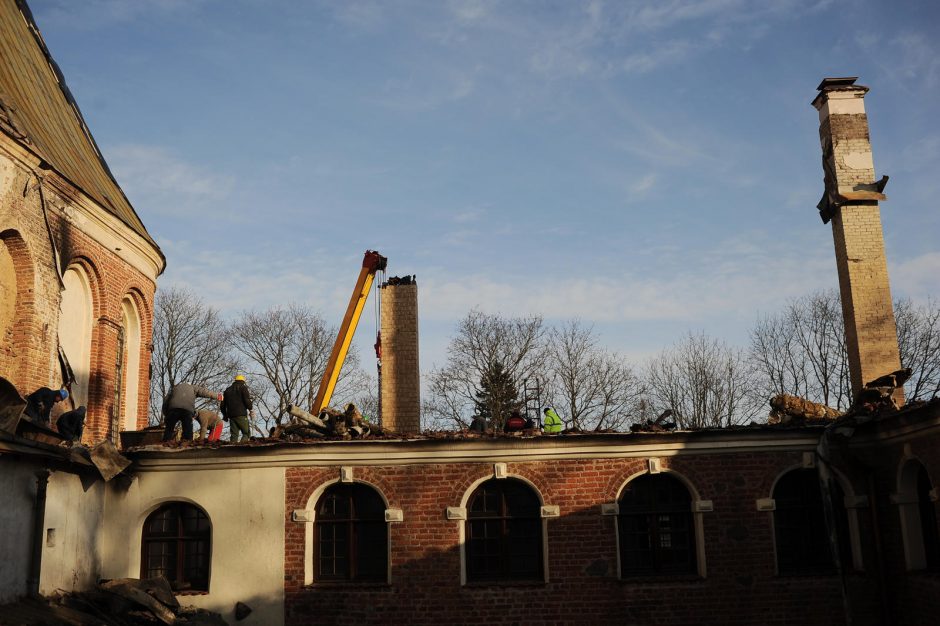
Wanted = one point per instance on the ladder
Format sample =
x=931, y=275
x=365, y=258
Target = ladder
x=532, y=400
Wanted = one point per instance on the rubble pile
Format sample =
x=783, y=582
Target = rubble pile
x=785, y=408
x=657, y=425
x=331, y=423
x=119, y=602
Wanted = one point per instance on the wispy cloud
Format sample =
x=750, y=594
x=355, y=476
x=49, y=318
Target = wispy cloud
x=164, y=184
x=728, y=279
x=644, y=184
x=917, y=276
x=94, y=14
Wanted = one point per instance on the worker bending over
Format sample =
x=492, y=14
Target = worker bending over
x=180, y=406
x=209, y=421
x=71, y=424
x=39, y=403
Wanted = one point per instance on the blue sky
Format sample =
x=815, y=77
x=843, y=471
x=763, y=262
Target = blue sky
x=649, y=166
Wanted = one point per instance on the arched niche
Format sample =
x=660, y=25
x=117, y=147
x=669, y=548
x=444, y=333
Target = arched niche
x=76, y=322
x=130, y=322
x=16, y=305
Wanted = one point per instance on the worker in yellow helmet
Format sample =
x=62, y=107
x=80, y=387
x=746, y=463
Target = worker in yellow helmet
x=552, y=423
x=236, y=407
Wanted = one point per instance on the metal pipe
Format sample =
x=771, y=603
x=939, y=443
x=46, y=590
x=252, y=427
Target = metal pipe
x=39, y=521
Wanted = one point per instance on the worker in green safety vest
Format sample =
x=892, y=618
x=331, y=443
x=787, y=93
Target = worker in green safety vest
x=552, y=424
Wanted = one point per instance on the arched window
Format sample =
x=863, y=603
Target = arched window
x=130, y=363
x=75, y=328
x=918, y=518
x=800, y=530
x=928, y=520
x=351, y=535
x=177, y=544
x=504, y=532
x=656, y=526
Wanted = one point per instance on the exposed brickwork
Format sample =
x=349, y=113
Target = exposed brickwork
x=28, y=355
x=401, y=377
x=740, y=587
x=871, y=335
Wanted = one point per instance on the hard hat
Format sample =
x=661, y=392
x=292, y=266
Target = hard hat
x=63, y=393
x=240, y=377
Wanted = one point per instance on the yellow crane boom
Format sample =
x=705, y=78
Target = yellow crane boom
x=372, y=262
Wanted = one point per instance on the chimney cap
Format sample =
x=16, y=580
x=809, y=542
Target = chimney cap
x=837, y=81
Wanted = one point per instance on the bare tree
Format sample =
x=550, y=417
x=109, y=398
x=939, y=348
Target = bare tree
x=706, y=383
x=483, y=340
x=919, y=343
x=190, y=344
x=287, y=350
x=592, y=388
x=801, y=351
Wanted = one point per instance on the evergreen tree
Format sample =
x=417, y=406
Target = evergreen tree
x=497, y=396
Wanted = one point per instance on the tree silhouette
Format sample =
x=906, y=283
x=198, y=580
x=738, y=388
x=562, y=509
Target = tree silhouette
x=497, y=397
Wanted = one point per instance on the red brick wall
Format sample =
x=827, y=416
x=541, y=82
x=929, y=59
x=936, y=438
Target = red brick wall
x=29, y=356
x=740, y=587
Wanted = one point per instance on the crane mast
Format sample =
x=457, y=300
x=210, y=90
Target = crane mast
x=372, y=262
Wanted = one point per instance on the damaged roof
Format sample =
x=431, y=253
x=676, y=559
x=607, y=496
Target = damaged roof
x=38, y=110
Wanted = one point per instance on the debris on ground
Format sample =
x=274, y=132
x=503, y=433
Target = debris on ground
x=119, y=602
x=786, y=409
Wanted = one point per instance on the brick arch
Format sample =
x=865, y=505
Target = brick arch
x=621, y=477
x=96, y=282
x=23, y=322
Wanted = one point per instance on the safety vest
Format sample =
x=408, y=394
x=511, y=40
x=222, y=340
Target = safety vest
x=552, y=423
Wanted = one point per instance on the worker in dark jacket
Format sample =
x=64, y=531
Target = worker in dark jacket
x=180, y=406
x=39, y=403
x=71, y=424
x=236, y=407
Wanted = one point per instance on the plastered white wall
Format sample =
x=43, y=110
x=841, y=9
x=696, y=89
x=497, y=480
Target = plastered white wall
x=18, y=486
x=246, y=509
x=70, y=554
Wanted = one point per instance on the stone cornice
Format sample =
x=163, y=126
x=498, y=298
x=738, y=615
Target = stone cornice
x=432, y=451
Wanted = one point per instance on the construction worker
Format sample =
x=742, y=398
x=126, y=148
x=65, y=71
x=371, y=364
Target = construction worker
x=71, y=424
x=236, y=408
x=180, y=406
x=209, y=422
x=39, y=403
x=552, y=423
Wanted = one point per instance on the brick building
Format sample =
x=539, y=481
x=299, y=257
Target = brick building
x=729, y=526
x=77, y=266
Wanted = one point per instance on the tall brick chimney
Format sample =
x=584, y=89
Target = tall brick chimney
x=401, y=379
x=851, y=202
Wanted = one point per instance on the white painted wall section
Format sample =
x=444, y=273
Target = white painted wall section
x=246, y=509
x=70, y=555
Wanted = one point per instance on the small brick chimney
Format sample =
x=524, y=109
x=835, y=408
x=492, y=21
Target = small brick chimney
x=850, y=201
x=400, y=394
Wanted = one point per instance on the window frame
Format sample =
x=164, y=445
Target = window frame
x=353, y=527
x=651, y=512
x=916, y=509
x=798, y=505
x=179, y=539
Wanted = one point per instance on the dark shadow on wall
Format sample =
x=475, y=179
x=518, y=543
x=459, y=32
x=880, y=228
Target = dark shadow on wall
x=583, y=586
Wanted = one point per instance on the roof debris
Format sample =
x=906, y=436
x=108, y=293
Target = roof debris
x=120, y=602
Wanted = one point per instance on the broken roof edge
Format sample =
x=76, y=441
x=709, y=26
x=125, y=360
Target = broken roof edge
x=137, y=227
